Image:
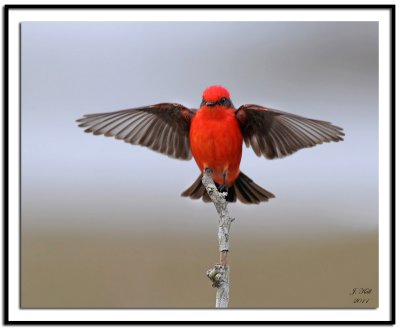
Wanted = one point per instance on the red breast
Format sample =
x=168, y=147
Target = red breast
x=216, y=141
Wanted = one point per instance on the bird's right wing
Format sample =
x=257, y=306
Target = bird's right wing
x=162, y=127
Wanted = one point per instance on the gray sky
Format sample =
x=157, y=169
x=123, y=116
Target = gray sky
x=322, y=70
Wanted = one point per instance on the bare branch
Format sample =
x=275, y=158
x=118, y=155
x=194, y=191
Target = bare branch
x=219, y=274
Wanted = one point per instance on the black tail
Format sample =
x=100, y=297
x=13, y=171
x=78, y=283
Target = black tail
x=243, y=189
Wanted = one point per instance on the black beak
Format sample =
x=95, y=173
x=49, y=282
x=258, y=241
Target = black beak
x=211, y=103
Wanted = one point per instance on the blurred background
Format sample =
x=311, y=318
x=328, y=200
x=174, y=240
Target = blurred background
x=103, y=223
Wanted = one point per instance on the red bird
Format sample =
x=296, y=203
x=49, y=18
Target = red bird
x=214, y=135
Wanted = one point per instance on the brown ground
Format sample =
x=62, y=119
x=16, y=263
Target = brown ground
x=71, y=270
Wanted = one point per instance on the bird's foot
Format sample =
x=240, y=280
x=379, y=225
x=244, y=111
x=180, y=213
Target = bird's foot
x=222, y=188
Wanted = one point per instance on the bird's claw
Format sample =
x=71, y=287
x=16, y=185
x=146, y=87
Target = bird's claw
x=222, y=188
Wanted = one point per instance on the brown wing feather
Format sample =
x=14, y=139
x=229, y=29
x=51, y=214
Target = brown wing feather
x=276, y=134
x=162, y=127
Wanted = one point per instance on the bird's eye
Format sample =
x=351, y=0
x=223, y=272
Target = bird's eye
x=223, y=100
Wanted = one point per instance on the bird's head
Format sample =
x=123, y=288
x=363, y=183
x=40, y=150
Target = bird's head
x=216, y=95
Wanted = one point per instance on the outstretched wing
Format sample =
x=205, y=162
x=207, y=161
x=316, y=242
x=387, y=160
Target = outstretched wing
x=162, y=127
x=276, y=134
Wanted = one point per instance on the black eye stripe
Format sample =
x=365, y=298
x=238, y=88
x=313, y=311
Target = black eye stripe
x=223, y=101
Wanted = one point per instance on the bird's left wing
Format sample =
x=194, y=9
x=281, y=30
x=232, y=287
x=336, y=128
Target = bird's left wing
x=276, y=134
x=162, y=127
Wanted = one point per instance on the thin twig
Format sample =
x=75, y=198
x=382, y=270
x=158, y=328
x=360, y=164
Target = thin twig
x=219, y=274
